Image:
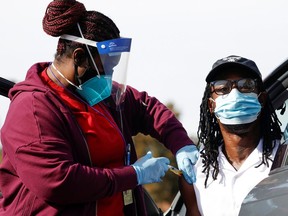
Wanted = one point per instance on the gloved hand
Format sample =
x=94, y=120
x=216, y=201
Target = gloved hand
x=150, y=169
x=186, y=157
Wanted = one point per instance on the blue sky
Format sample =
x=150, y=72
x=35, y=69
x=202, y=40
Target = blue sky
x=174, y=43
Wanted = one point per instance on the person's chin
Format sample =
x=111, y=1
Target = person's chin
x=239, y=129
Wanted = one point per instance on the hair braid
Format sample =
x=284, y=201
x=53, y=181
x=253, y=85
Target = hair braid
x=62, y=17
x=96, y=26
x=271, y=131
x=209, y=134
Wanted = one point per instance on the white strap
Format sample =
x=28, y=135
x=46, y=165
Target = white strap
x=79, y=40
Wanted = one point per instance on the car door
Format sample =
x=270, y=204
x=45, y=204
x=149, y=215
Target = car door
x=270, y=196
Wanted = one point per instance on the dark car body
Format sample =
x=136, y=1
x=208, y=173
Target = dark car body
x=270, y=196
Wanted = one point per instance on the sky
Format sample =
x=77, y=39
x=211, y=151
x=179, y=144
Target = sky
x=174, y=43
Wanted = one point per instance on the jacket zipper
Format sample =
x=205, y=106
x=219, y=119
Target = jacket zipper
x=89, y=155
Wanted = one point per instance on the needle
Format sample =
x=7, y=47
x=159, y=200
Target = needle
x=175, y=170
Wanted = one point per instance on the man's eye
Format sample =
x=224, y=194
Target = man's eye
x=222, y=89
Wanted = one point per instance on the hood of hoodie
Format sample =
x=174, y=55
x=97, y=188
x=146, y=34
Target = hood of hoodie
x=32, y=81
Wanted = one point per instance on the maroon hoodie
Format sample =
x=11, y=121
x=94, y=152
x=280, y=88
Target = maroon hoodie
x=46, y=167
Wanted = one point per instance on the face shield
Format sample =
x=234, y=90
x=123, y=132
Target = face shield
x=114, y=55
x=111, y=72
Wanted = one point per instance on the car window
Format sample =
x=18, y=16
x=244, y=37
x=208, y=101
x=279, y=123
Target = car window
x=282, y=114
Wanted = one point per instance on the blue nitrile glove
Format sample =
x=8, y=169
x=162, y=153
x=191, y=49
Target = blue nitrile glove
x=186, y=157
x=150, y=169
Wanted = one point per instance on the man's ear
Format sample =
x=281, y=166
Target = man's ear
x=211, y=105
x=80, y=58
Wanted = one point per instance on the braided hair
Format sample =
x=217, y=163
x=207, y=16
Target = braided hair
x=62, y=16
x=210, y=136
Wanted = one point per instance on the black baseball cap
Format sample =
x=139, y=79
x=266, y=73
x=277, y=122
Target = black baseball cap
x=233, y=61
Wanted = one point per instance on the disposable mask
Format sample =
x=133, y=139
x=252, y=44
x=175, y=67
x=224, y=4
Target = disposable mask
x=237, y=108
x=95, y=89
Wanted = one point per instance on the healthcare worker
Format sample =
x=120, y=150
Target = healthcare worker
x=67, y=138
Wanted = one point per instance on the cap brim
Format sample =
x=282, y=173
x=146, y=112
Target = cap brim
x=211, y=76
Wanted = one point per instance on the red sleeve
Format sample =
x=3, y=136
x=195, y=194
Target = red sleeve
x=148, y=115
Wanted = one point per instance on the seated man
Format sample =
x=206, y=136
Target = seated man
x=239, y=134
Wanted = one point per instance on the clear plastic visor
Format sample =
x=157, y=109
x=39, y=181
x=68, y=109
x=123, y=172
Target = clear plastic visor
x=113, y=55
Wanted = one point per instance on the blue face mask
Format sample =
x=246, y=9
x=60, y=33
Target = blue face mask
x=237, y=108
x=95, y=89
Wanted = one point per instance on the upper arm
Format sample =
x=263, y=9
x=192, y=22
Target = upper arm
x=189, y=197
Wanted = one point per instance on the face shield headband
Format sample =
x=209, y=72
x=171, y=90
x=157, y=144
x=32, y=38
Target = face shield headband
x=111, y=74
